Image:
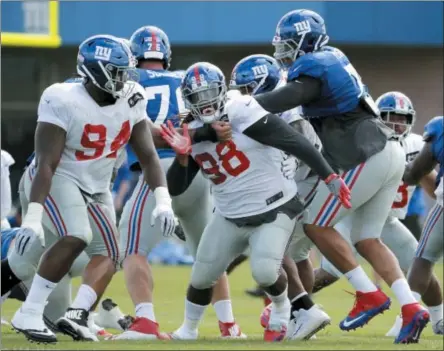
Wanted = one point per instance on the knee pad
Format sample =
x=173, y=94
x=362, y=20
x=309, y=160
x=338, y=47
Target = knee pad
x=265, y=271
x=203, y=275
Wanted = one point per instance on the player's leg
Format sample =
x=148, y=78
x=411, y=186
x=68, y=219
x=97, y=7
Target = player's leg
x=194, y=209
x=103, y=251
x=421, y=279
x=66, y=216
x=221, y=242
x=137, y=239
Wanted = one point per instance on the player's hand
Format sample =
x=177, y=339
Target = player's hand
x=222, y=129
x=181, y=144
x=165, y=215
x=339, y=189
x=31, y=228
x=289, y=167
x=24, y=239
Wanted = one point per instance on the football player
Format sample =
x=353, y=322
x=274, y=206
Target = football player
x=82, y=129
x=257, y=74
x=354, y=140
x=255, y=204
x=430, y=247
x=151, y=47
x=6, y=200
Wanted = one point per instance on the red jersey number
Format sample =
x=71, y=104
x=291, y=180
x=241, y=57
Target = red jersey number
x=403, y=190
x=227, y=153
x=99, y=143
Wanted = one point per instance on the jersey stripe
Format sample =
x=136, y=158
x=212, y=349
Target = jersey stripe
x=134, y=226
x=106, y=230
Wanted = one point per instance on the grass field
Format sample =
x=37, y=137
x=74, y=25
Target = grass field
x=171, y=283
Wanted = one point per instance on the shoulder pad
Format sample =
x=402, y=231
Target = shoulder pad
x=307, y=65
x=236, y=104
x=55, y=93
x=434, y=128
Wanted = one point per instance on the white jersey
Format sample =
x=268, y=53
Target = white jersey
x=246, y=175
x=95, y=136
x=6, y=198
x=412, y=145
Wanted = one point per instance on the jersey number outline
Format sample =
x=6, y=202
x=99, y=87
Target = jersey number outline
x=165, y=92
x=226, y=151
x=99, y=145
x=356, y=78
x=403, y=190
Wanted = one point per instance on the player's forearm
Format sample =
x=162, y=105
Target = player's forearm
x=41, y=183
x=422, y=165
x=180, y=177
x=291, y=95
x=428, y=183
x=273, y=131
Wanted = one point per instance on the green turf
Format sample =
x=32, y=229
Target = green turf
x=170, y=287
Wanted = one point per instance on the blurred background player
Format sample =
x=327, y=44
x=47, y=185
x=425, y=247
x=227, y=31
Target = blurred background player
x=151, y=47
x=6, y=196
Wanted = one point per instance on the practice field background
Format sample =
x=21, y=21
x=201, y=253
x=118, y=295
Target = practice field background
x=170, y=287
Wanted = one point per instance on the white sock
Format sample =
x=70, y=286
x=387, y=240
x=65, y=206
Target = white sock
x=193, y=315
x=436, y=313
x=360, y=280
x=402, y=291
x=38, y=294
x=280, y=309
x=145, y=310
x=224, y=311
x=417, y=296
x=86, y=297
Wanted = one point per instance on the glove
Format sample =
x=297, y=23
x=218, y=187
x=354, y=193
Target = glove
x=339, y=189
x=181, y=144
x=31, y=228
x=289, y=167
x=163, y=212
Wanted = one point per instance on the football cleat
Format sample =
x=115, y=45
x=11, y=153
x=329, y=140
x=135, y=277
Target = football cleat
x=275, y=333
x=142, y=329
x=367, y=306
x=438, y=327
x=414, y=320
x=110, y=316
x=231, y=331
x=30, y=323
x=307, y=323
x=75, y=324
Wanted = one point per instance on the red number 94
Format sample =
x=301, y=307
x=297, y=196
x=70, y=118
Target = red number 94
x=232, y=161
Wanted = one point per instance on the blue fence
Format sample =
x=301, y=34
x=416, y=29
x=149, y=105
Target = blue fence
x=217, y=22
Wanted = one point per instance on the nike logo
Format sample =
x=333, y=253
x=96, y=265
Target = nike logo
x=47, y=101
x=266, y=120
x=350, y=322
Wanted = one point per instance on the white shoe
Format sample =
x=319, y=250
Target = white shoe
x=109, y=316
x=30, y=323
x=75, y=324
x=182, y=334
x=394, y=331
x=308, y=322
x=438, y=327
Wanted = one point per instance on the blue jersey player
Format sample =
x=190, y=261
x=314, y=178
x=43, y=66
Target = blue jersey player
x=356, y=142
x=430, y=247
x=151, y=47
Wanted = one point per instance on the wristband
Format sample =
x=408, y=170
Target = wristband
x=34, y=213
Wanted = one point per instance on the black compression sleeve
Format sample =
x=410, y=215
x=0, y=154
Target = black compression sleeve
x=273, y=131
x=205, y=133
x=179, y=177
x=295, y=93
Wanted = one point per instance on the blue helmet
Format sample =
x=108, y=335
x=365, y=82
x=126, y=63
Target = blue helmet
x=255, y=74
x=297, y=33
x=397, y=112
x=151, y=43
x=108, y=63
x=204, y=91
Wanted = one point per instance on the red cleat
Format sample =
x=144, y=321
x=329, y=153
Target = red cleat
x=142, y=329
x=265, y=316
x=271, y=335
x=414, y=320
x=231, y=331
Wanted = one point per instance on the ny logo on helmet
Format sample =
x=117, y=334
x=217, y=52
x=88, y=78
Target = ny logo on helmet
x=260, y=71
x=102, y=53
x=302, y=27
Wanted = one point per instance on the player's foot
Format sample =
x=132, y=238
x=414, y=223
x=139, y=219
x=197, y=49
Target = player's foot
x=275, y=332
x=142, y=329
x=394, y=332
x=30, y=323
x=307, y=323
x=438, y=327
x=110, y=316
x=267, y=300
x=414, y=320
x=265, y=316
x=367, y=306
x=256, y=292
x=75, y=324
x=96, y=330
x=231, y=331
x=184, y=334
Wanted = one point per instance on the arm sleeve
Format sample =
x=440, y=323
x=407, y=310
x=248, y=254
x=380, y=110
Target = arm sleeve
x=52, y=108
x=295, y=93
x=273, y=131
x=179, y=177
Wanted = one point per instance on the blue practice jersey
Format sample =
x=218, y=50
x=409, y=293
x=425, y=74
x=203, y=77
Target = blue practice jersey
x=433, y=132
x=164, y=102
x=8, y=235
x=342, y=87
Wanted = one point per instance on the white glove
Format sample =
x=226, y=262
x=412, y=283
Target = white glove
x=163, y=212
x=289, y=167
x=31, y=228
